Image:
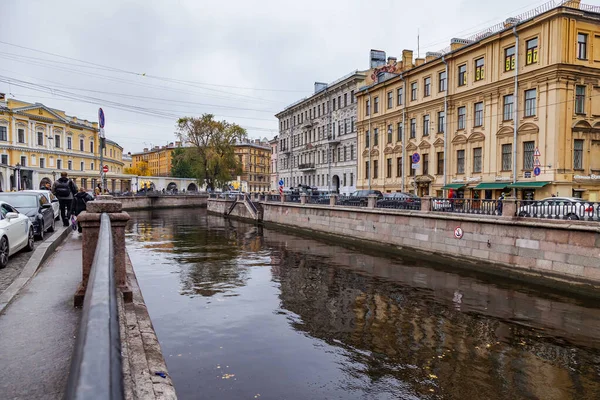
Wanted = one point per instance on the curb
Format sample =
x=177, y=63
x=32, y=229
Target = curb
x=41, y=253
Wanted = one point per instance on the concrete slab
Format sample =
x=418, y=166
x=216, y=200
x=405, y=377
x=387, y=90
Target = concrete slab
x=38, y=329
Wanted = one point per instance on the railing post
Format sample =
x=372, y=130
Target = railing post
x=371, y=201
x=508, y=207
x=332, y=199
x=282, y=198
x=426, y=203
x=90, y=223
x=303, y=197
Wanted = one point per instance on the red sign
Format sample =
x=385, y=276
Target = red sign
x=105, y=169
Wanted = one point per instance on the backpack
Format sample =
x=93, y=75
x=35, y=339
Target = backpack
x=63, y=189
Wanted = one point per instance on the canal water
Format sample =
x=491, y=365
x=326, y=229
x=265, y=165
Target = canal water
x=243, y=312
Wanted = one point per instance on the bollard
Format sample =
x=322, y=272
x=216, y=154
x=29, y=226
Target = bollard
x=303, y=197
x=371, y=201
x=90, y=223
x=282, y=197
x=332, y=199
x=426, y=203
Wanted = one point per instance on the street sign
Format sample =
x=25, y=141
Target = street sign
x=537, y=171
x=101, y=119
x=105, y=169
x=415, y=166
x=281, y=182
x=527, y=174
x=537, y=153
x=537, y=163
x=458, y=232
x=416, y=158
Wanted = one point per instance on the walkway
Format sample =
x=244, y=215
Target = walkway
x=37, y=330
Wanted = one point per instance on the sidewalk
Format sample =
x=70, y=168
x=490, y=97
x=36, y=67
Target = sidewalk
x=37, y=330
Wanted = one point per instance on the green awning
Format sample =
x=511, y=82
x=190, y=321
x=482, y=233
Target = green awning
x=528, y=185
x=454, y=186
x=488, y=186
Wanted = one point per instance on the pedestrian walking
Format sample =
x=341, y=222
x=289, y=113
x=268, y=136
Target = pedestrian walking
x=64, y=189
x=80, y=203
x=500, y=201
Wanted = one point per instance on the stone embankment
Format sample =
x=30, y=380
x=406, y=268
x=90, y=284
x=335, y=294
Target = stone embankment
x=162, y=201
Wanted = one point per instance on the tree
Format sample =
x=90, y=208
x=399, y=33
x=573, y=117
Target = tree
x=182, y=163
x=211, y=154
x=140, y=170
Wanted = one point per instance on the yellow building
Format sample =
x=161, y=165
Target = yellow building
x=37, y=143
x=255, y=157
x=157, y=160
x=458, y=109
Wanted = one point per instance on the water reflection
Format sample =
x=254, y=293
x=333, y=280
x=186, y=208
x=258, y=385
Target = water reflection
x=299, y=318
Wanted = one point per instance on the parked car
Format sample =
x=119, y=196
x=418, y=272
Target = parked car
x=34, y=205
x=360, y=198
x=51, y=198
x=569, y=208
x=406, y=201
x=16, y=233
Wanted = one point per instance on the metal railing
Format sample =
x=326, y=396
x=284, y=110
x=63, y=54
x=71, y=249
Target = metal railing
x=399, y=204
x=96, y=364
x=273, y=197
x=467, y=206
x=559, y=209
x=352, y=201
x=251, y=204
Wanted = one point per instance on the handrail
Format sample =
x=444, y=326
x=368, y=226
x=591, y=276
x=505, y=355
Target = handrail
x=96, y=371
x=247, y=199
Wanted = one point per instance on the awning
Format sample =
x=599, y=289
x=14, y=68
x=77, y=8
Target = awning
x=528, y=185
x=488, y=186
x=454, y=186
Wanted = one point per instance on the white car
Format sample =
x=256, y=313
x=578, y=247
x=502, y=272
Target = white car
x=52, y=199
x=16, y=232
x=570, y=208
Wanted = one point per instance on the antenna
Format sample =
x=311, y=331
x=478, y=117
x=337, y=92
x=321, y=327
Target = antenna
x=418, y=43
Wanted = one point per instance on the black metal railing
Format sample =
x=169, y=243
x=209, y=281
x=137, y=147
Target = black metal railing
x=467, y=206
x=400, y=204
x=248, y=201
x=352, y=201
x=559, y=209
x=96, y=364
x=273, y=197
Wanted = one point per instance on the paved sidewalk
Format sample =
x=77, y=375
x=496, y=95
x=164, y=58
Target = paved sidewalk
x=37, y=330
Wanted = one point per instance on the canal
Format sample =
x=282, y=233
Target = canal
x=243, y=312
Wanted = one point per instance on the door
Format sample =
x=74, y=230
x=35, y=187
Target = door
x=47, y=212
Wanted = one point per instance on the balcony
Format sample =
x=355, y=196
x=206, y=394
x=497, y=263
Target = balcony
x=285, y=150
x=306, y=167
x=333, y=140
x=308, y=123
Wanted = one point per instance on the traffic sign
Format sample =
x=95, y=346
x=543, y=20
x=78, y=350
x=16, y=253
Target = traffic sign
x=101, y=119
x=537, y=153
x=458, y=232
x=537, y=171
x=416, y=158
x=415, y=166
x=105, y=169
x=537, y=163
x=281, y=182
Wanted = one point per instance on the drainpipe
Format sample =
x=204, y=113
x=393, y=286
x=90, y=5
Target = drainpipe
x=404, y=131
x=516, y=109
x=370, y=144
x=330, y=132
x=446, y=124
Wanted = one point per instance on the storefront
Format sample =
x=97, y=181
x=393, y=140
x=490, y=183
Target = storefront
x=489, y=190
x=455, y=190
x=530, y=190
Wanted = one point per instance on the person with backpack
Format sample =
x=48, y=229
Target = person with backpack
x=64, y=189
x=79, y=204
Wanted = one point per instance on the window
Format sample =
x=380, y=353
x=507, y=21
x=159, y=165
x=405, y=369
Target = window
x=345, y=127
x=506, y=157
x=578, y=154
x=339, y=155
x=3, y=133
x=390, y=100
x=389, y=168
x=441, y=121
x=345, y=102
x=333, y=105
x=390, y=133
x=340, y=101
x=582, y=40
x=427, y=87
x=426, y=125
x=532, y=51
x=462, y=116
x=413, y=128
x=479, y=69
x=400, y=131
x=507, y=111
x=462, y=75
x=530, y=97
x=375, y=169
x=21, y=135
x=400, y=96
x=345, y=155
x=352, y=99
x=80, y=144
x=443, y=81
x=399, y=167
x=460, y=161
x=23, y=161
x=528, y=151
x=413, y=91
x=81, y=166
x=376, y=137
x=367, y=170
x=70, y=165
x=478, y=114
x=368, y=107
x=4, y=160
x=477, y=159
x=59, y=164
x=56, y=140
x=351, y=153
x=42, y=163
x=91, y=147
x=92, y=166
x=425, y=164
x=40, y=138
x=579, y=99
x=351, y=124
x=367, y=139
x=376, y=105
x=509, y=59
x=440, y=163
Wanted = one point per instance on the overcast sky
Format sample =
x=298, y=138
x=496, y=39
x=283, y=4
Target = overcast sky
x=241, y=60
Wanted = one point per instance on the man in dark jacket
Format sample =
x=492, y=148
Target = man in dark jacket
x=79, y=204
x=64, y=189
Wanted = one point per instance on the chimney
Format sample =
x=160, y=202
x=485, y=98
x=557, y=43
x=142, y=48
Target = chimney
x=573, y=4
x=430, y=56
x=419, y=61
x=407, y=58
x=376, y=58
x=392, y=60
x=145, y=149
x=511, y=22
x=457, y=43
x=320, y=86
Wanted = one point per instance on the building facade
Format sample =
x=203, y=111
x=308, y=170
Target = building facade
x=255, y=158
x=274, y=181
x=456, y=112
x=37, y=143
x=157, y=160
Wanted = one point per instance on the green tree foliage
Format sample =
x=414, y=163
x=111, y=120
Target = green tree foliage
x=182, y=163
x=211, y=154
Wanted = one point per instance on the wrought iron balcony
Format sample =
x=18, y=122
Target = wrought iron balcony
x=306, y=167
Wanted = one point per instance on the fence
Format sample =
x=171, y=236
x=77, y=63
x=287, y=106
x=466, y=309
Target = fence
x=96, y=364
x=559, y=209
x=467, y=206
x=353, y=201
x=400, y=204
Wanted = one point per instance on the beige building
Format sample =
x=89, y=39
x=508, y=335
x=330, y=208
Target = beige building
x=255, y=157
x=458, y=109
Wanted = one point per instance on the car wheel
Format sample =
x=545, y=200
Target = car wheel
x=41, y=234
x=30, y=241
x=572, y=217
x=51, y=229
x=3, y=252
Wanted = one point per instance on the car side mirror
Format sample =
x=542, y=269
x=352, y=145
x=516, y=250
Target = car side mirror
x=12, y=215
x=46, y=205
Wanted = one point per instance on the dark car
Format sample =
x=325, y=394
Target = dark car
x=360, y=198
x=36, y=206
x=399, y=200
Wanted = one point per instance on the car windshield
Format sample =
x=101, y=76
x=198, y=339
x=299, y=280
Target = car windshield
x=20, y=200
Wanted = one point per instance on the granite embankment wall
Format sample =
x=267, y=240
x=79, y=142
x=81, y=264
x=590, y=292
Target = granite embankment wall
x=174, y=201
x=564, y=251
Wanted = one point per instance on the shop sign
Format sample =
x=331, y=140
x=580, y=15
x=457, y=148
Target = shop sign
x=504, y=179
x=458, y=180
x=587, y=177
x=474, y=179
x=527, y=174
